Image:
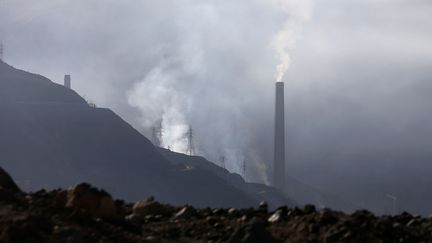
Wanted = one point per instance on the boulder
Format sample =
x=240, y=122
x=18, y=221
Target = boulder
x=96, y=202
x=68, y=234
x=150, y=207
x=327, y=217
x=276, y=217
x=185, y=213
x=308, y=209
x=279, y=215
x=253, y=232
x=263, y=207
x=233, y=212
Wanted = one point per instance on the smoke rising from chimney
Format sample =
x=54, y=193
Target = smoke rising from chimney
x=298, y=12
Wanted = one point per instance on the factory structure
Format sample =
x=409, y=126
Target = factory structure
x=279, y=139
x=68, y=81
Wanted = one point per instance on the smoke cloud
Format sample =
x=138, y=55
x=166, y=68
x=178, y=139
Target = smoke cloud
x=297, y=12
x=169, y=91
x=160, y=103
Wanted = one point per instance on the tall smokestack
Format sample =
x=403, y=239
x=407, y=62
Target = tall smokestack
x=279, y=139
x=67, y=81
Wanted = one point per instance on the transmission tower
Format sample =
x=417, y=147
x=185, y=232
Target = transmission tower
x=223, y=162
x=244, y=169
x=191, y=146
x=157, y=133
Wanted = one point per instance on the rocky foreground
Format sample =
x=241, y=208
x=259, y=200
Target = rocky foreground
x=87, y=214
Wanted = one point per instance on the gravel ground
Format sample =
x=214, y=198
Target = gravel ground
x=87, y=214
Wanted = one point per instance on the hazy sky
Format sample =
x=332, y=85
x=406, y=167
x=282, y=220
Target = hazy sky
x=359, y=82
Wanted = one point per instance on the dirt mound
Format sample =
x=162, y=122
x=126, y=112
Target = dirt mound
x=80, y=215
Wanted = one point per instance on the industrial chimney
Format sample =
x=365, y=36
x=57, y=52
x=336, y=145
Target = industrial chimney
x=279, y=139
x=67, y=81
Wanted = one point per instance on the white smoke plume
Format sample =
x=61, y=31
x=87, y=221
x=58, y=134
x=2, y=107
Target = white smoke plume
x=156, y=96
x=298, y=12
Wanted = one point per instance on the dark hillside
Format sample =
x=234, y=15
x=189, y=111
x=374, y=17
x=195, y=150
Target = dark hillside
x=50, y=137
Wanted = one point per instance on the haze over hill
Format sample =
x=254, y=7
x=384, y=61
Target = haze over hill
x=50, y=137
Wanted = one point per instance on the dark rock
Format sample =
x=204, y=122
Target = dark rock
x=327, y=217
x=276, y=217
x=412, y=222
x=217, y=211
x=254, y=232
x=313, y=228
x=244, y=218
x=396, y=225
x=334, y=234
x=150, y=207
x=295, y=212
x=152, y=238
x=363, y=215
x=68, y=234
x=233, y=212
x=96, y=202
x=134, y=219
x=279, y=215
x=7, y=183
x=263, y=207
x=301, y=228
x=283, y=209
x=308, y=209
x=211, y=220
x=185, y=213
x=404, y=218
